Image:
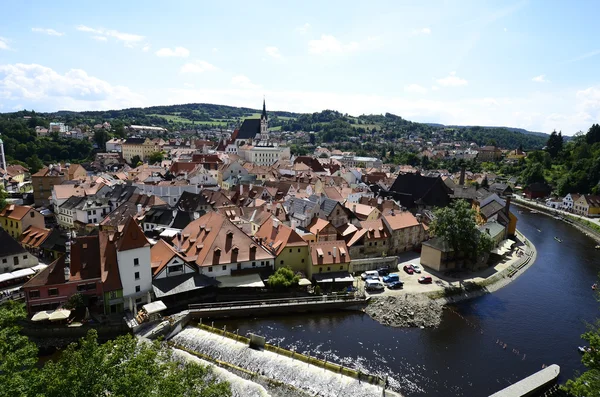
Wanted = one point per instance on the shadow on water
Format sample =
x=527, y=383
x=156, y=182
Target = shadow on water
x=481, y=345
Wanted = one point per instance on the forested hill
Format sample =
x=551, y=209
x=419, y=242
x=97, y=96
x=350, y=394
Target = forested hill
x=331, y=125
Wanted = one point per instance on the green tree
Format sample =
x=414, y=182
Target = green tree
x=283, y=278
x=121, y=367
x=156, y=157
x=135, y=160
x=101, y=137
x=2, y=197
x=484, y=183
x=554, y=145
x=534, y=172
x=588, y=383
x=456, y=224
x=593, y=134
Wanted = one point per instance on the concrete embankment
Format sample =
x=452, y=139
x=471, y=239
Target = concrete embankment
x=424, y=309
x=538, y=384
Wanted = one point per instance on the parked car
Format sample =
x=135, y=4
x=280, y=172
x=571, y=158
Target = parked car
x=391, y=278
x=383, y=271
x=425, y=280
x=370, y=274
x=373, y=285
x=416, y=268
x=409, y=269
x=395, y=285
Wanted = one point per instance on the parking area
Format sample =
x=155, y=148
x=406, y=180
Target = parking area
x=440, y=280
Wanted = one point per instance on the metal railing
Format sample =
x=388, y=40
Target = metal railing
x=277, y=302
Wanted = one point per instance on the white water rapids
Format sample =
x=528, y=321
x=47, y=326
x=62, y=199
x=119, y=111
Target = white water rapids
x=308, y=378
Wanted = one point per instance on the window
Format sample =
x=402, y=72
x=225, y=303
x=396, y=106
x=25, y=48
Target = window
x=298, y=249
x=175, y=269
x=138, y=288
x=34, y=294
x=302, y=260
x=320, y=270
x=136, y=262
x=281, y=262
x=53, y=292
x=253, y=264
x=224, y=267
x=138, y=300
x=370, y=243
x=137, y=275
x=24, y=257
x=210, y=268
x=328, y=268
x=342, y=267
x=113, y=294
x=4, y=260
x=290, y=250
x=16, y=261
x=32, y=214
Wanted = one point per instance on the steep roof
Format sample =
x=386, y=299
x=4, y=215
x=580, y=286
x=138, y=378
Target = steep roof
x=323, y=253
x=51, y=275
x=34, y=236
x=593, y=201
x=276, y=239
x=317, y=224
x=212, y=240
x=111, y=279
x=328, y=205
x=8, y=245
x=249, y=129
x=85, y=258
x=160, y=254
x=400, y=220
x=376, y=229
x=132, y=236
x=16, y=212
x=431, y=191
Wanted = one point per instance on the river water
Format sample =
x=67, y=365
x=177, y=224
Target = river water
x=482, y=345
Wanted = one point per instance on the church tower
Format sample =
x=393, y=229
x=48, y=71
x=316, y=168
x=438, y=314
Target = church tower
x=264, y=124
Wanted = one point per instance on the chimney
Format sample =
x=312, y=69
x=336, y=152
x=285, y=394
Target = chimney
x=334, y=252
x=241, y=189
x=67, y=273
x=354, y=208
x=275, y=223
x=139, y=209
x=507, y=207
x=461, y=181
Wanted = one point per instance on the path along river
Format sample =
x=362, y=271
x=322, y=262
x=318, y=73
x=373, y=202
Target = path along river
x=482, y=345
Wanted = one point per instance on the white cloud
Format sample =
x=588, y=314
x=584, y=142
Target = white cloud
x=215, y=49
x=415, y=88
x=304, y=28
x=45, y=89
x=49, y=32
x=452, y=80
x=128, y=39
x=434, y=88
x=540, y=79
x=273, y=52
x=197, y=67
x=329, y=44
x=242, y=81
x=99, y=38
x=180, y=52
x=4, y=44
x=417, y=32
x=146, y=47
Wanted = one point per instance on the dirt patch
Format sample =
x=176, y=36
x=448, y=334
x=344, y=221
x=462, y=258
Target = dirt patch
x=406, y=311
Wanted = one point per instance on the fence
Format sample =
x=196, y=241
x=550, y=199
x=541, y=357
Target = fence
x=362, y=265
x=275, y=302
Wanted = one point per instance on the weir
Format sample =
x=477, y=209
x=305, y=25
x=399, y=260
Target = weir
x=307, y=374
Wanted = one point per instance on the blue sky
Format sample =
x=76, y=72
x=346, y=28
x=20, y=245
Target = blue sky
x=529, y=64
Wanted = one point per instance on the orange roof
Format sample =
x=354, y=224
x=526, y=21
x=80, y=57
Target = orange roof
x=132, y=236
x=400, y=220
x=278, y=238
x=329, y=253
x=13, y=211
x=160, y=254
x=316, y=225
x=34, y=236
x=213, y=239
x=376, y=229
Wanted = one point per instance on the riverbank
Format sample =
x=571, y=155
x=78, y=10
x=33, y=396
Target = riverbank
x=423, y=308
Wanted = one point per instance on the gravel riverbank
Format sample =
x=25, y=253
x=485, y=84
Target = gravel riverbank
x=409, y=310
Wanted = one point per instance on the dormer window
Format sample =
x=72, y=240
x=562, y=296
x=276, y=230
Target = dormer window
x=217, y=251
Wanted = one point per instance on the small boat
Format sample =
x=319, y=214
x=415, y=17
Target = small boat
x=520, y=212
x=557, y=239
x=597, y=247
x=539, y=230
x=594, y=286
x=583, y=349
x=533, y=212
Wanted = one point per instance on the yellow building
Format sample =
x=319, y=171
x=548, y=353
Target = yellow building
x=16, y=218
x=587, y=205
x=142, y=147
x=328, y=257
x=290, y=249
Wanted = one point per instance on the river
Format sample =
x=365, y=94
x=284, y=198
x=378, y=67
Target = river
x=539, y=317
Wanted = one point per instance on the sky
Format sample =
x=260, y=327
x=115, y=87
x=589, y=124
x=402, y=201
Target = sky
x=528, y=64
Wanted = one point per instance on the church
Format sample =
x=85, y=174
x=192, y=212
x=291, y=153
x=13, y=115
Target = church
x=253, y=143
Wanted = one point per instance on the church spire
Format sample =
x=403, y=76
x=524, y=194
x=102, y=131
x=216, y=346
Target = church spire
x=264, y=112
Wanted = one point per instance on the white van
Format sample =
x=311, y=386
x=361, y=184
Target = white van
x=370, y=274
x=373, y=285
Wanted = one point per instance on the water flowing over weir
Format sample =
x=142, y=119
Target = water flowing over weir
x=240, y=387
x=298, y=374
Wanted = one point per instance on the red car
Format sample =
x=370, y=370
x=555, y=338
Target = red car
x=425, y=280
x=409, y=269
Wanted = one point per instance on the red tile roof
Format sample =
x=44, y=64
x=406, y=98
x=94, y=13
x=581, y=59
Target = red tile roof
x=132, y=236
x=17, y=212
